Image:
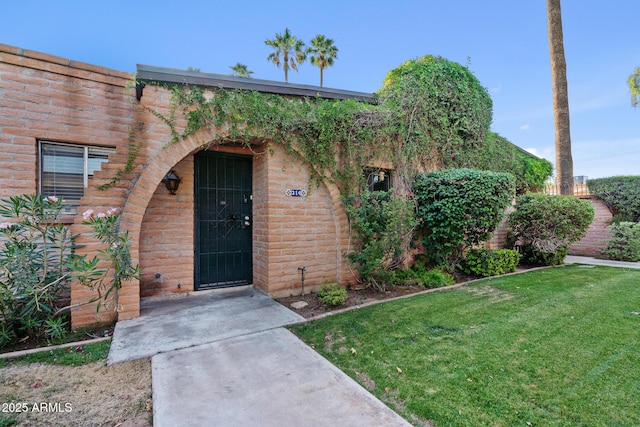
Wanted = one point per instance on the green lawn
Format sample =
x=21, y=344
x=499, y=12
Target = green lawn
x=553, y=347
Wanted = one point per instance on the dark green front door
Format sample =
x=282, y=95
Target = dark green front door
x=223, y=220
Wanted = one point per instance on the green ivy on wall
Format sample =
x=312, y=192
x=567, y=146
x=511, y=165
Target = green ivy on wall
x=431, y=114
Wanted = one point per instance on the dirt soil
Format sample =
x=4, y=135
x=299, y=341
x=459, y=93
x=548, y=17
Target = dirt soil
x=355, y=297
x=86, y=395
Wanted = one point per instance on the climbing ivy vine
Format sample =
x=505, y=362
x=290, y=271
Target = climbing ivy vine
x=334, y=136
x=430, y=114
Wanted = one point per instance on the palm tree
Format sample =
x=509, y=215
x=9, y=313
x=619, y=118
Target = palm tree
x=564, y=161
x=323, y=52
x=290, y=48
x=634, y=87
x=241, y=70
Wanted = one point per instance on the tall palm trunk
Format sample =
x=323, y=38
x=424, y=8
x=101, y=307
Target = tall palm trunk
x=564, y=161
x=286, y=67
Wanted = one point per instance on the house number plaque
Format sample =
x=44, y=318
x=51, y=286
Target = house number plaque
x=292, y=192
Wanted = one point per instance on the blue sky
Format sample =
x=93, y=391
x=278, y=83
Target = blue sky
x=504, y=40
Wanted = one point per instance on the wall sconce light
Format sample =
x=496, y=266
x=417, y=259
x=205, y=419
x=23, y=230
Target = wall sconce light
x=172, y=181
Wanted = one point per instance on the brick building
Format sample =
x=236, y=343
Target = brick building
x=241, y=215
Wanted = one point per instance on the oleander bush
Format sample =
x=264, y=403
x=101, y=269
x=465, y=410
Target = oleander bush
x=38, y=264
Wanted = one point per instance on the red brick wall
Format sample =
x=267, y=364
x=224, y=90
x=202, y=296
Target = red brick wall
x=292, y=232
x=597, y=236
x=500, y=234
x=592, y=244
x=46, y=97
x=166, y=237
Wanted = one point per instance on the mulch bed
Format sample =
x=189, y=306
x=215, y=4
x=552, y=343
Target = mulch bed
x=355, y=297
x=358, y=297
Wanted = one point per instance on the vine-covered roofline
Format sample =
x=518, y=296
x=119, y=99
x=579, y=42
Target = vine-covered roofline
x=149, y=73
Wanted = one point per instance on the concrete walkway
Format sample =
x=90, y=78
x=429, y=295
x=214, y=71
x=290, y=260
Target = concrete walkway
x=226, y=361
x=603, y=262
x=172, y=324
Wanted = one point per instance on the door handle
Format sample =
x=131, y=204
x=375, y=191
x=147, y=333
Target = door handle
x=247, y=221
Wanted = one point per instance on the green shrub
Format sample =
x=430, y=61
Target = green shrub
x=442, y=105
x=435, y=278
x=625, y=242
x=37, y=265
x=621, y=194
x=459, y=208
x=497, y=154
x=490, y=262
x=532, y=256
x=332, y=294
x=544, y=226
x=418, y=275
x=383, y=224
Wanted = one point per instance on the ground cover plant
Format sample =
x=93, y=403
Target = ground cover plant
x=555, y=346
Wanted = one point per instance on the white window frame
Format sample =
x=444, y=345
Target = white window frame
x=85, y=163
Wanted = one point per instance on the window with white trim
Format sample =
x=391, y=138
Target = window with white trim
x=65, y=169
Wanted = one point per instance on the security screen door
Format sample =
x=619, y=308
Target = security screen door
x=223, y=201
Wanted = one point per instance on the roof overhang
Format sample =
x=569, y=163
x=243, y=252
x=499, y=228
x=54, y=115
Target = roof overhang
x=149, y=73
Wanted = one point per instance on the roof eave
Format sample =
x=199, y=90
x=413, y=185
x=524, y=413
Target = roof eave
x=149, y=73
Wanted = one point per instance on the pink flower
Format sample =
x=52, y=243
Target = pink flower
x=51, y=199
x=5, y=225
x=87, y=214
x=101, y=215
x=112, y=211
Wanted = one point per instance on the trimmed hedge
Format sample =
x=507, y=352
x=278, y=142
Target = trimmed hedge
x=418, y=275
x=459, y=208
x=544, y=226
x=532, y=256
x=621, y=194
x=625, y=242
x=497, y=154
x=490, y=262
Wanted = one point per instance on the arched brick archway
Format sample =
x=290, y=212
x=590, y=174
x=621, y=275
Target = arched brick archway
x=136, y=201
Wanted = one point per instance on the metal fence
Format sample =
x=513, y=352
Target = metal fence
x=578, y=189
